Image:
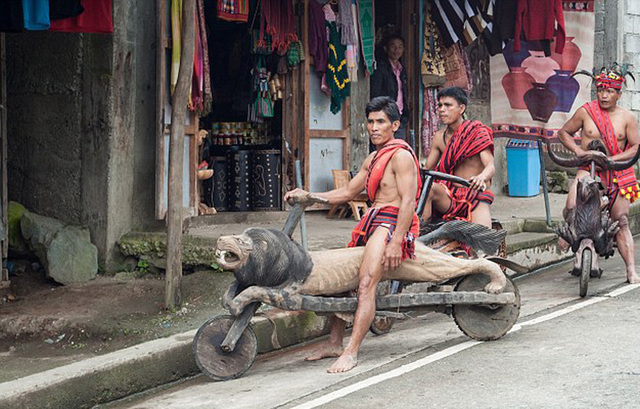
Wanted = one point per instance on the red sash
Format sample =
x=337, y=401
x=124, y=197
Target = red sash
x=626, y=179
x=379, y=164
x=471, y=138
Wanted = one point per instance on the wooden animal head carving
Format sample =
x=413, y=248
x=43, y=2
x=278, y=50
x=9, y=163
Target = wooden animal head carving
x=264, y=257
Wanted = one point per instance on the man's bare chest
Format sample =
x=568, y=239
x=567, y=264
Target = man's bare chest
x=591, y=132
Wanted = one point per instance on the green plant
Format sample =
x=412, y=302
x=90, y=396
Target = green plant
x=142, y=266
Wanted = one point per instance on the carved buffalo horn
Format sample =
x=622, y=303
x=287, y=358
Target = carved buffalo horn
x=623, y=164
x=567, y=162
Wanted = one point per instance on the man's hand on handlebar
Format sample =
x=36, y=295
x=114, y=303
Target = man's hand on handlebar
x=477, y=183
x=301, y=196
x=596, y=156
x=291, y=195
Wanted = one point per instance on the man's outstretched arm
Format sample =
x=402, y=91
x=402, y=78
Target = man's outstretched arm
x=343, y=194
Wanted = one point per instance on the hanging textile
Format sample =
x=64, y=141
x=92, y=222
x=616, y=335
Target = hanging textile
x=366, y=23
x=537, y=19
x=457, y=74
x=345, y=23
x=233, y=10
x=337, y=77
x=96, y=18
x=459, y=20
x=197, y=78
x=176, y=35
x=430, y=118
x=533, y=96
x=318, y=46
x=353, y=49
x=432, y=63
x=11, y=17
x=36, y=14
x=277, y=20
x=207, y=95
x=59, y=9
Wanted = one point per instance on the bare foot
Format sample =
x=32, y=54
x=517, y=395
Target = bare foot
x=345, y=363
x=324, y=350
x=562, y=243
x=633, y=278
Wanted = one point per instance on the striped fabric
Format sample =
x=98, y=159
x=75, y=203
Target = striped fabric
x=387, y=217
x=464, y=201
x=625, y=179
x=471, y=138
x=379, y=164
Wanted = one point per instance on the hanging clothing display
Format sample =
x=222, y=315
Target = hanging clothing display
x=431, y=63
x=59, y=9
x=459, y=20
x=366, y=23
x=233, y=10
x=430, y=118
x=348, y=31
x=537, y=19
x=96, y=18
x=197, y=78
x=318, y=46
x=176, y=35
x=36, y=14
x=202, y=25
x=11, y=17
x=337, y=76
x=457, y=68
x=277, y=20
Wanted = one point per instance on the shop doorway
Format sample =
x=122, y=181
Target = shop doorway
x=4, y=209
x=402, y=18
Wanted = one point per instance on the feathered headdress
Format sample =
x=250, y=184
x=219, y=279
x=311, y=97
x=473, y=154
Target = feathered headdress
x=612, y=77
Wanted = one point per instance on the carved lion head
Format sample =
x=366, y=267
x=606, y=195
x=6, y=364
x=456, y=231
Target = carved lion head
x=264, y=257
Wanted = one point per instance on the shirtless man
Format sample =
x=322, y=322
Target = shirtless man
x=465, y=149
x=618, y=129
x=390, y=176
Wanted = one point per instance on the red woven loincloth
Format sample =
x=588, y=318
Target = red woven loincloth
x=388, y=217
x=464, y=201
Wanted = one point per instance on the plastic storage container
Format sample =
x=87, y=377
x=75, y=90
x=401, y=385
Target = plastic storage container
x=523, y=168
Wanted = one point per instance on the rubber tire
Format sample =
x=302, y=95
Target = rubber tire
x=216, y=363
x=585, y=271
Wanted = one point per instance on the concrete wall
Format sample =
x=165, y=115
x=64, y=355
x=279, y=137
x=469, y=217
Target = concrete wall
x=81, y=124
x=629, y=50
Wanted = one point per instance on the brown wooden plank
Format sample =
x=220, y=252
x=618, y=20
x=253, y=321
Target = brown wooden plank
x=322, y=133
x=305, y=113
x=4, y=274
x=173, y=294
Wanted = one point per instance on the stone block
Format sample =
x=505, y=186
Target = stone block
x=632, y=24
x=633, y=7
x=632, y=43
x=16, y=241
x=66, y=252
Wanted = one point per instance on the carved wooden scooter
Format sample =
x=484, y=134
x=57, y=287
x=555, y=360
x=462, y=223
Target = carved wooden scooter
x=485, y=302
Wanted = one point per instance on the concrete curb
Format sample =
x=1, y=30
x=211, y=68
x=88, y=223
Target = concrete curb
x=135, y=369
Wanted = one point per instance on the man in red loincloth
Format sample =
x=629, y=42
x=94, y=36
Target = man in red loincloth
x=463, y=148
x=617, y=128
x=392, y=181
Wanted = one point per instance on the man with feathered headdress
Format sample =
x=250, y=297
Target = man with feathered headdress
x=602, y=119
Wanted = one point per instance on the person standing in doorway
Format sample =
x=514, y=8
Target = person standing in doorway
x=390, y=80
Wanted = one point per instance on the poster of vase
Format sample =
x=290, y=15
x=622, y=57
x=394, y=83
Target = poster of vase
x=533, y=92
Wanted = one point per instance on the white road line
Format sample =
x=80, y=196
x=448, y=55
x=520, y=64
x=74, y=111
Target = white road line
x=453, y=350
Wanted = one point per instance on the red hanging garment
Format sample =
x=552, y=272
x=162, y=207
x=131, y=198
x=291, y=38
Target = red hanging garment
x=537, y=18
x=96, y=18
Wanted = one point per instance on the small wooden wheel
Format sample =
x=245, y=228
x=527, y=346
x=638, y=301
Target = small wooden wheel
x=482, y=322
x=216, y=363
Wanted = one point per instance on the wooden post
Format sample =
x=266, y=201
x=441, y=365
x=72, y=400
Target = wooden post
x=173, y=295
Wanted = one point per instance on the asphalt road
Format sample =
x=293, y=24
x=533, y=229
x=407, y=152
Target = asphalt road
x=565, y=352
